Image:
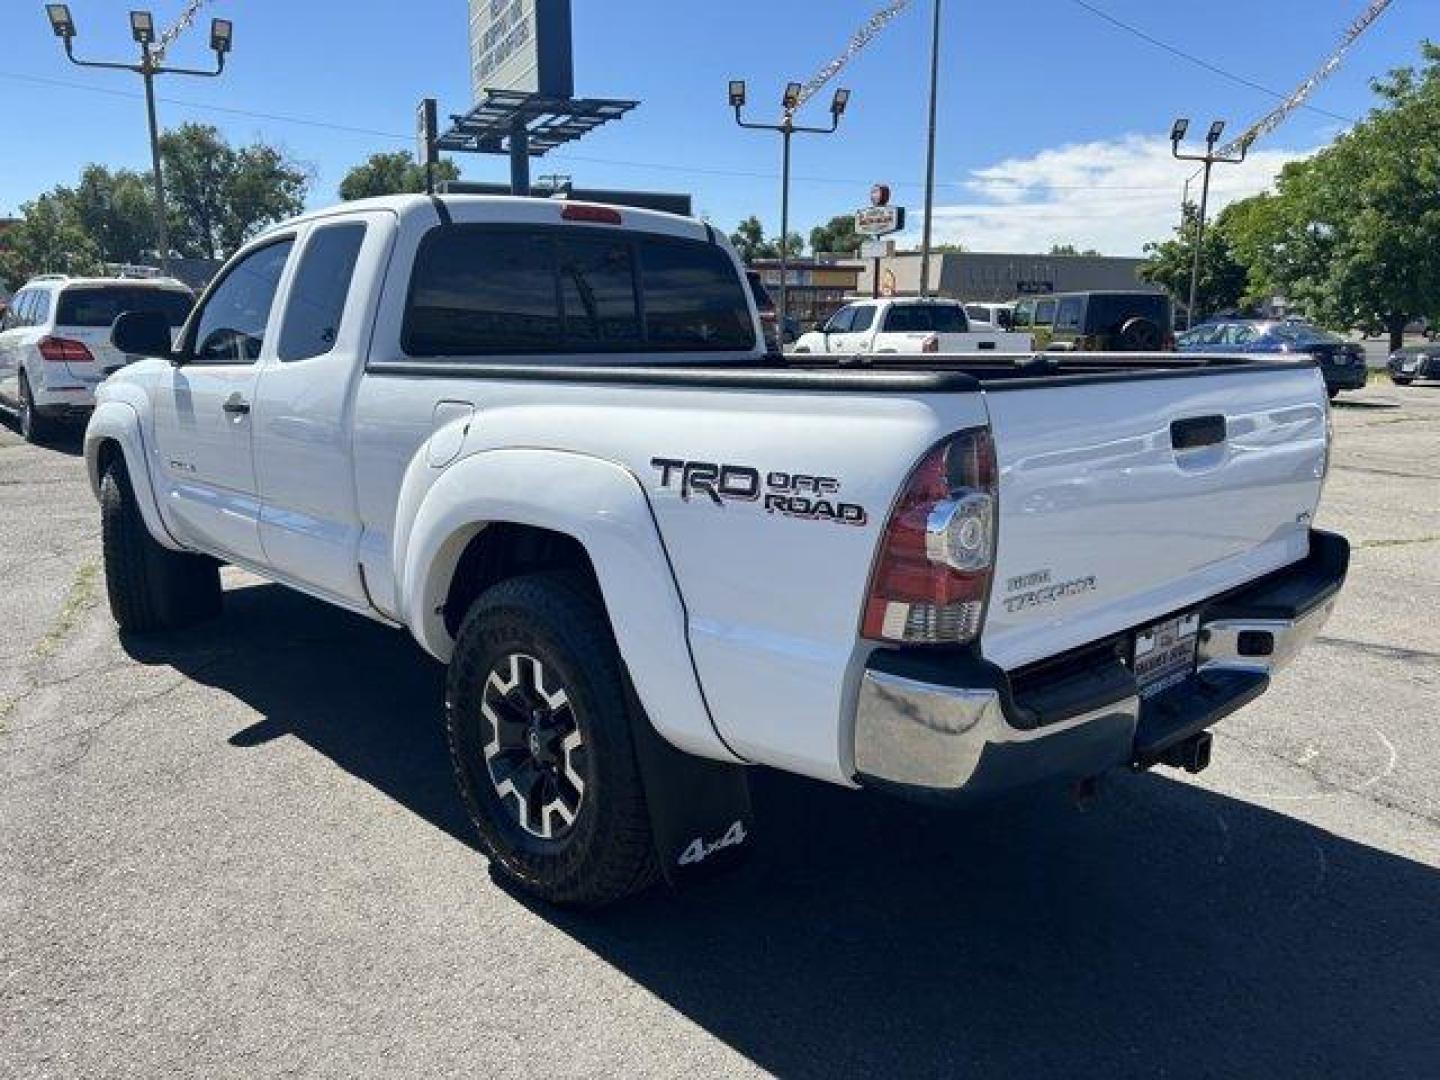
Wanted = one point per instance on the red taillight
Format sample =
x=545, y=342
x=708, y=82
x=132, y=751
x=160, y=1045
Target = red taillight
x=931, y=344
x=596, y=215
x=932, y=575
x=59, y=350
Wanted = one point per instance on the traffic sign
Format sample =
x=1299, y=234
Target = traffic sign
x=877, y=249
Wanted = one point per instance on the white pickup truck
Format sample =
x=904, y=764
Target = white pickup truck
x=880, y=327
x=545, y=439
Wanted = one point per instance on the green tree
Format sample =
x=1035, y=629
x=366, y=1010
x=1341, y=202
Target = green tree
x=1356, y=235
x=219, y=196
x=837, y=235
x=49, y=239
x=1223, y=279
x=392, y=174
x=117, y=211
x=1070, y=249
x=750, y=241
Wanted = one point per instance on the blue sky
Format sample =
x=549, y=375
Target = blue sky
x=1053, y=121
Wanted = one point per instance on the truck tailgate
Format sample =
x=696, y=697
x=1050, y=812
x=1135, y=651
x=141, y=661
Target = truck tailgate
x=1121, y=502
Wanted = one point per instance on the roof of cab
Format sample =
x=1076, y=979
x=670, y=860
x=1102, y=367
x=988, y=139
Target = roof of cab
x=473, y=209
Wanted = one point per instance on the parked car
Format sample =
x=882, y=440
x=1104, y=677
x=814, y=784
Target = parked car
x=877, y=327
x=1342, y=362
x=1414, y=362
x=1114, y=321
x=55, y=342
x=543, y=438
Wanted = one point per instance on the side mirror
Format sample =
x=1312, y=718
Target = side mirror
x=142, y=333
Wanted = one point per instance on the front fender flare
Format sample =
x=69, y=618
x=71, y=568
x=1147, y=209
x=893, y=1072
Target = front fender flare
x=118, y=421
x=604, y=507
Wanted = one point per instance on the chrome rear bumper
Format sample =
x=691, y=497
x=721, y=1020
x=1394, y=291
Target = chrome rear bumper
x=959, y=726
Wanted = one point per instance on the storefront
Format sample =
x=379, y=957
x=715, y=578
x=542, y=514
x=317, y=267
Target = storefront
x=817, y=288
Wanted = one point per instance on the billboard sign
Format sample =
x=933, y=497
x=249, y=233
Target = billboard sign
x=521, y=45
x=879, y=220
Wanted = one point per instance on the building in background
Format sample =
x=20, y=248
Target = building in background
x=818, y=286
x=978, y=275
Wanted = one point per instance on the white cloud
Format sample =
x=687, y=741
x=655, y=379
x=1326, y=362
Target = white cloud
x=1112, y=196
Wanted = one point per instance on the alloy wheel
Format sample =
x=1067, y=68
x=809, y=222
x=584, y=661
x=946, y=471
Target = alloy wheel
x=534, y=749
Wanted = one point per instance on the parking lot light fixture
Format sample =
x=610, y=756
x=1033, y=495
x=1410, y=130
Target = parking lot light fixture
x=221, y=34
x=787, y=129
x=142, y=27
x=1209, y=160
x=60, y=20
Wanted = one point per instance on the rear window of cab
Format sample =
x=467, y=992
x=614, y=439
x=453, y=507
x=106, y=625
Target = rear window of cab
x=101, y=305
x=488, y=290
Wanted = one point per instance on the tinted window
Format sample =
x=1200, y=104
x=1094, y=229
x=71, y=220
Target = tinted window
x=974, y=311
x=481, y=290
x=1045, y=313
x=693, y=298
x=102, y=305
x=39, y=307
x=1068, y=313
x=914, y=318
x=1024, y=312
x=1108, y=313
x=317, y=298
x=232, y=323
x=841, y=321
x=1299, y=334
x=864, y=318
x=597, y=291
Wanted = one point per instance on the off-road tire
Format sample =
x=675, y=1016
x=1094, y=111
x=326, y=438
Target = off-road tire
x=151, y=588
x=607, y=853
x=35, y=428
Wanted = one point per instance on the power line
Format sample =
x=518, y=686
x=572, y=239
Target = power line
x=1200, y=61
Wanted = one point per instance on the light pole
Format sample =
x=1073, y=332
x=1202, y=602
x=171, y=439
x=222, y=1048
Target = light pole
x=787, y=129
x=142, y=29
x=1210, y=159
x=930, y=154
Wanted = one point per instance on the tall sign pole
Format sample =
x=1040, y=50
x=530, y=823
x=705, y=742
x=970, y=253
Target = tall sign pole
x=930, y=155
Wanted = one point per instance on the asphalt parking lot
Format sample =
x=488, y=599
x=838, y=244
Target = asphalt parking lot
x=238, y=852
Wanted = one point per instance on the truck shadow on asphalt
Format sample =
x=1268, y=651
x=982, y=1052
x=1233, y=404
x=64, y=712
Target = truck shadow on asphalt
x=1169, y=930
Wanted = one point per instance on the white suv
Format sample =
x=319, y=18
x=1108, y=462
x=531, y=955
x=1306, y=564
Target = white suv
x=55, y=342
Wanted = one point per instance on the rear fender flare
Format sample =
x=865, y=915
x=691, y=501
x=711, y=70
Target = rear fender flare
x=601, y=505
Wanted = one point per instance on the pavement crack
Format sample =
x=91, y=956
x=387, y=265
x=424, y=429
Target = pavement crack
x=1366, y=545
x=1387, y=652
x=78, y=600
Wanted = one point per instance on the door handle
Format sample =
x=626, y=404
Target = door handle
x=1197, y=432
x=235, y=405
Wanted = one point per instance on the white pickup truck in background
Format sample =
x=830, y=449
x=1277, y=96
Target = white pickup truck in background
x=880, y=327
x=546, y=440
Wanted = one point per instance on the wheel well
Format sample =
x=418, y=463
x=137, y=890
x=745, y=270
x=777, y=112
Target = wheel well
x=505, y=550
x=109, y=452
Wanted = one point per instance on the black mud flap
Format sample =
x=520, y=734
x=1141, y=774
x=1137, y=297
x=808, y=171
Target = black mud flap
x=699, y=809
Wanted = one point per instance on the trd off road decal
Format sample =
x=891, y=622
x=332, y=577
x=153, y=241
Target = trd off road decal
x=797, y=495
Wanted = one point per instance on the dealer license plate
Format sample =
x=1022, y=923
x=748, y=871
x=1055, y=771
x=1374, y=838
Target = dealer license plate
x=1165, y=654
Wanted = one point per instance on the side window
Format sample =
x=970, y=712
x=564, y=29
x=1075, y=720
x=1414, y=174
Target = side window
x=864, y=318
x=841, y=321
x=1068, y=313
x=1045, y=313
x=597, y=292
x=1024, y=313
x=694, y=299
x=317, y=298
x=907, y=318
x=40, y=308
x=15, y=313
x=231, y=327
